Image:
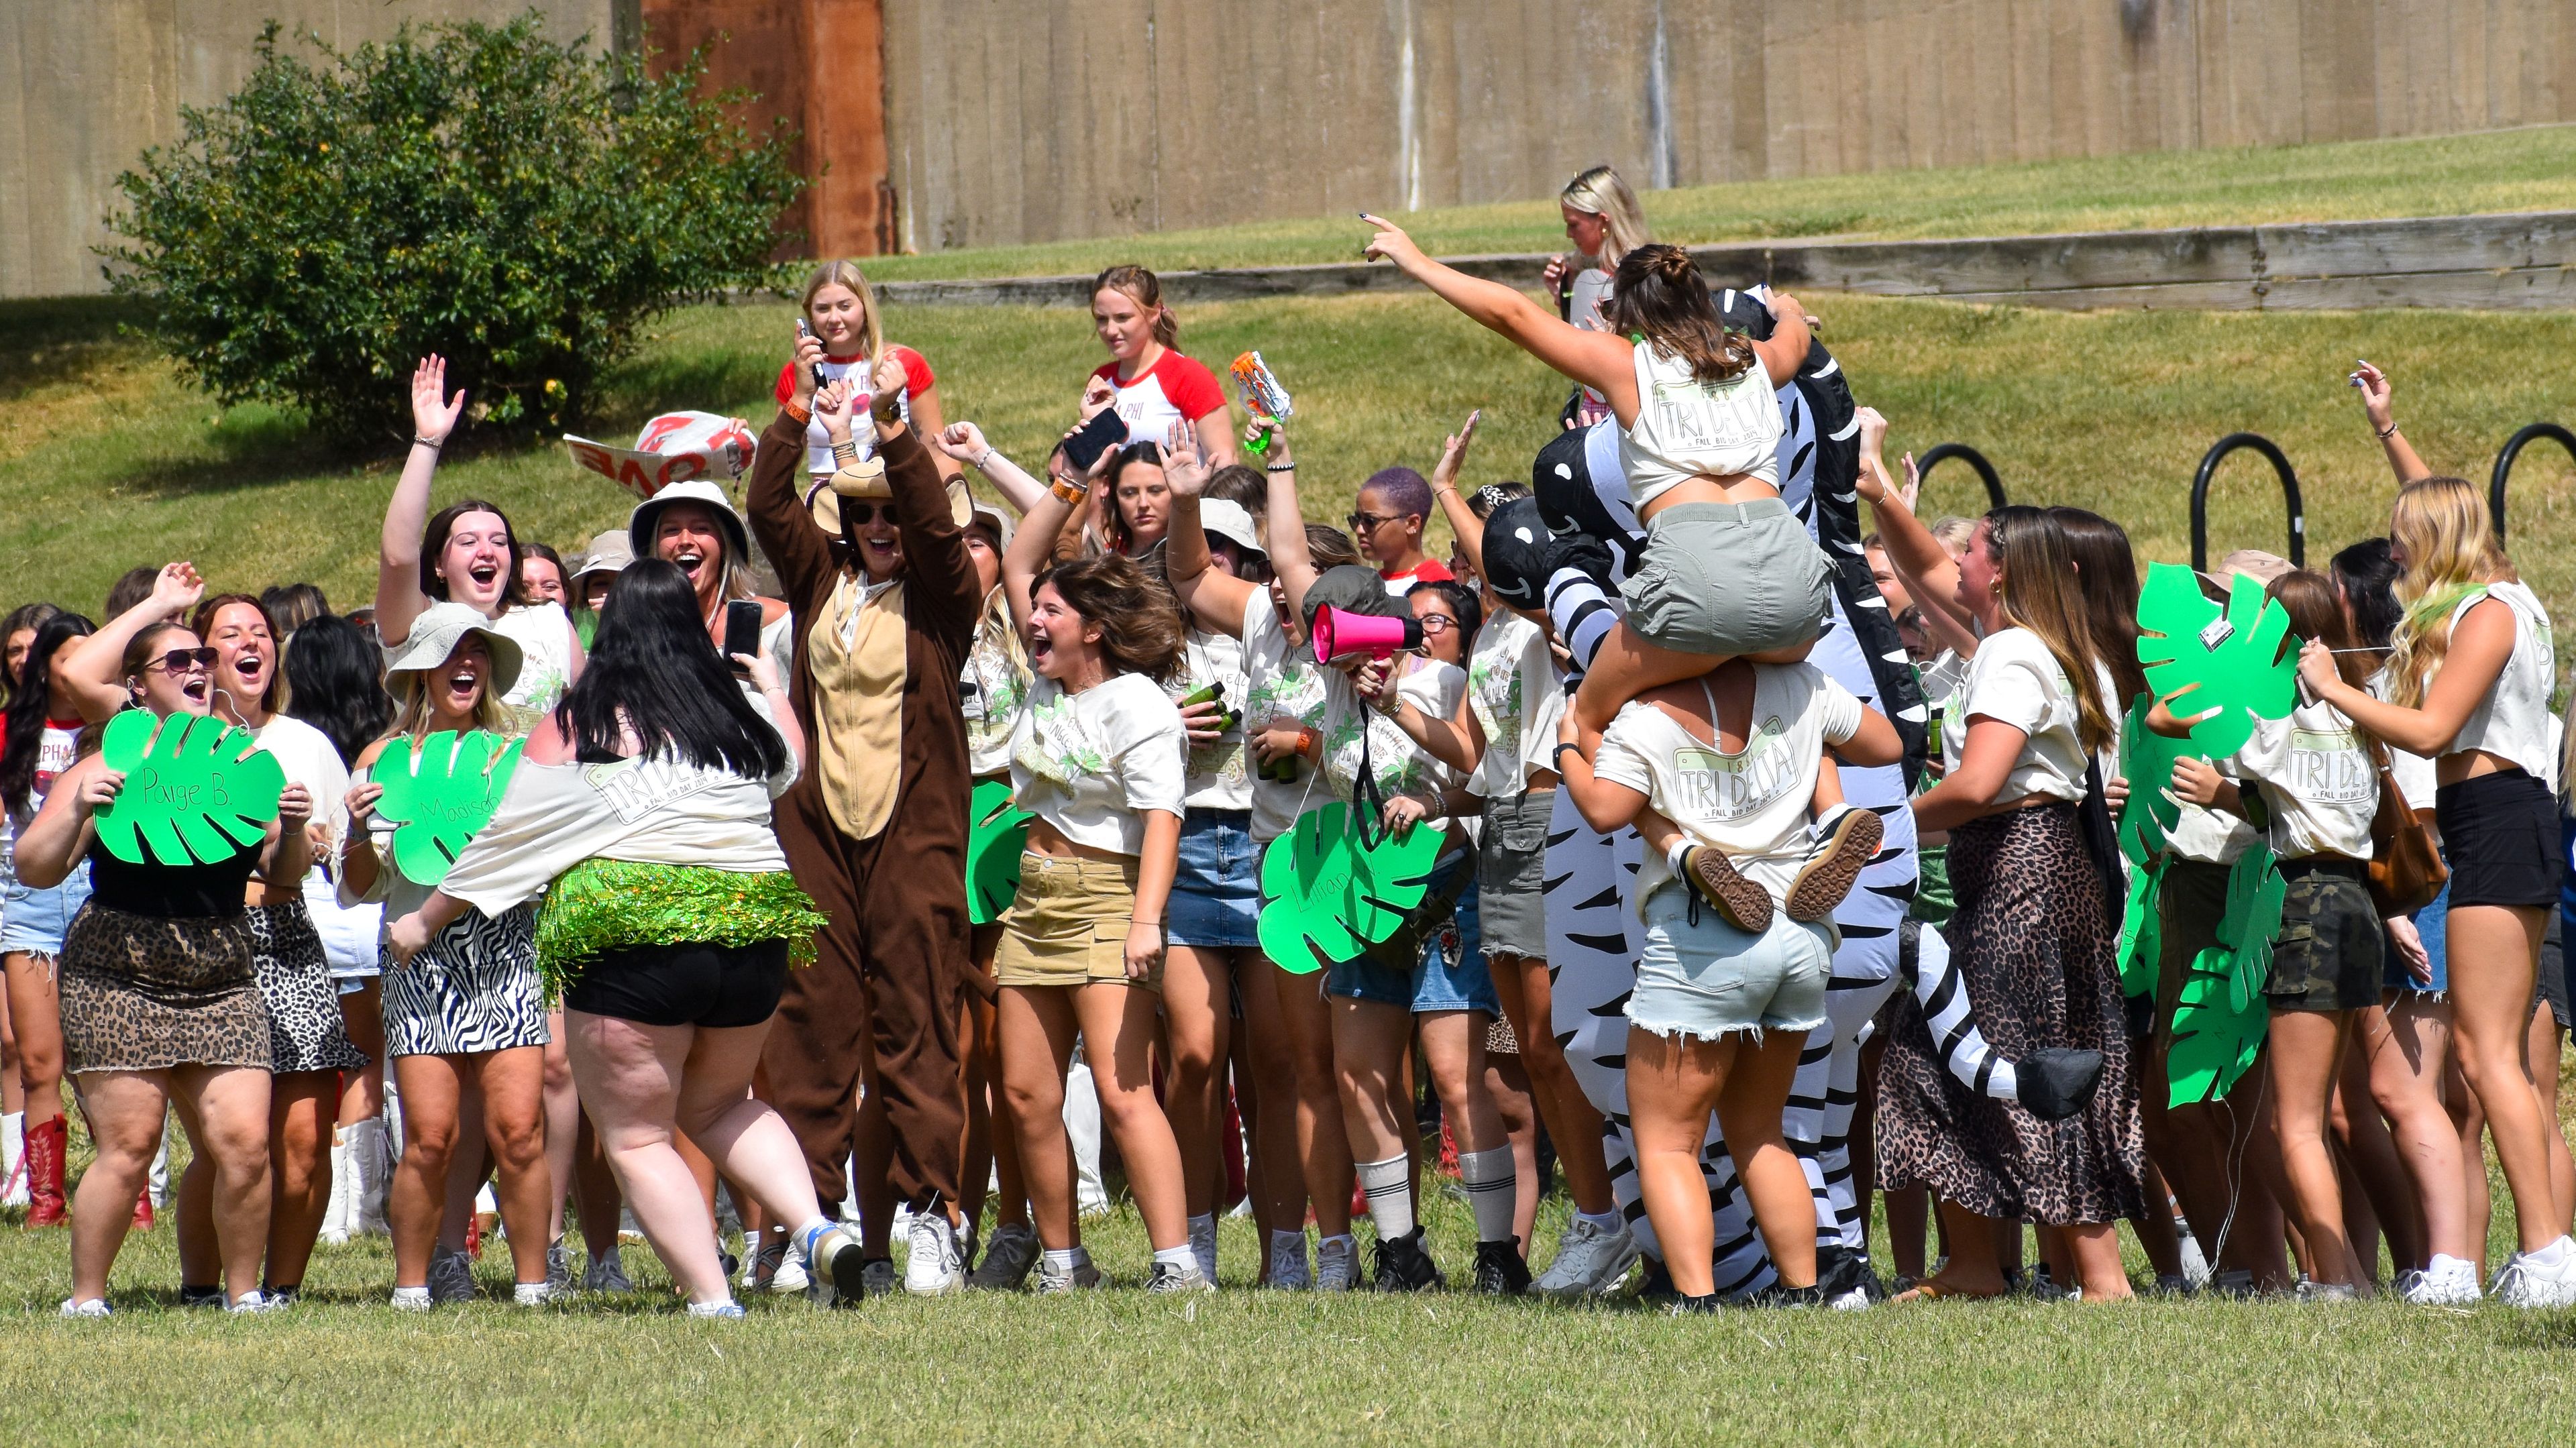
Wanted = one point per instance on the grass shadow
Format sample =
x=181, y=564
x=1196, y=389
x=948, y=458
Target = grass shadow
x=48, y=341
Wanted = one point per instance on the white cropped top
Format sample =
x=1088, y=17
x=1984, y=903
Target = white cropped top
x=1687, y=428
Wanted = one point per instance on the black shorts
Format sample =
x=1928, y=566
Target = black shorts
x=684, y=985
x=2328, y=954
x=2500, y=838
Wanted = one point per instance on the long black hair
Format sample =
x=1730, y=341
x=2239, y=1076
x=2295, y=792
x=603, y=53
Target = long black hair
x=653, y=673
x=335, y=682
x=28, y=706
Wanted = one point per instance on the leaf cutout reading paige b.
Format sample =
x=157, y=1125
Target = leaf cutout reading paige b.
x=1326, y=897
x=196, y=790
x=440, y=793
x=2236, y=665
x=996, y=829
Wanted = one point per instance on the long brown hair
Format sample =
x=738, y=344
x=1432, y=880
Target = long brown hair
x=1140, y=626
x=1145, y=290
x=2107, y=571
x=1658, y=293
x=433, y=544
x=2040, y=593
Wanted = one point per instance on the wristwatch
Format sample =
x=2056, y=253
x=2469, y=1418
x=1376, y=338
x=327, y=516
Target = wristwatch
x=1556, y=756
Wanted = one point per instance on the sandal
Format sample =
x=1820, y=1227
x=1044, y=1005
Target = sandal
x=1738, y=901
x=1847, y=840
x=1932, y=1289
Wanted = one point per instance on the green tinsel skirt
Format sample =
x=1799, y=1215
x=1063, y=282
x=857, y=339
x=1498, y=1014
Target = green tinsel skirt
x=603, y=905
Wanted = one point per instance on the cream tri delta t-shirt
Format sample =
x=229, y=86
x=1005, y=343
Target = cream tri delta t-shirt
x=1093, y=764
x=2318, y=781
x=1518, y=694
x=1281, y=682
x=1755, y=804
x=1220, y=773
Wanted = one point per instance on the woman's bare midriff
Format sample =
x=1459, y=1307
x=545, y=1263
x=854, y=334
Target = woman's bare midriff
x=1045, y=839
x=1708, y=488
x=2468, y=764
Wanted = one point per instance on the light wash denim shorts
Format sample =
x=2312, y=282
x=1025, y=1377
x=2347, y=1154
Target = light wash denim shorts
x=33, y=921
x=1451, y=974
x=1702, y=978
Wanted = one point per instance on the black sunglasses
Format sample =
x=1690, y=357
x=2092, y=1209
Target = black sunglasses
x=181, y=661
x=859, y=515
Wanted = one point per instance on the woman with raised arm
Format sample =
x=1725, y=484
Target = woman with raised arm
x=1099, y=758
x=160, y=998
x=1729, y=571
x=43, y=741
x=463, y=1017
x=876, y=567
x=2469, y=679
x=465, y=553
x=641, y=811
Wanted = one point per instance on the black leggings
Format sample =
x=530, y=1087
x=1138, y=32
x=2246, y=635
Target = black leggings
x=697, y=984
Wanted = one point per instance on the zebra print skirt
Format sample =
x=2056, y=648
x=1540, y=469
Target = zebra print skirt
x=473, y=990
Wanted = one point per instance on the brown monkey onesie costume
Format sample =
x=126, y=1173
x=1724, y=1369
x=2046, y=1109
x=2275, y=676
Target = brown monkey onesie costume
x=881, y=848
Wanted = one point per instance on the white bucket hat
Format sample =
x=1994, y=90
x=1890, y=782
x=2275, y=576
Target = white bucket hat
x=610, y=552
x=705, y=493
x=1230, y=522
x=435, y=635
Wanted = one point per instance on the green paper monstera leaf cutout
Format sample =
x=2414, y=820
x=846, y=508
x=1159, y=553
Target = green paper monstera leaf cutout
x=996, y=829
x=2147, y=763
x=2233, y=663
x=197, y=790
x=2255, y=895
x=2214, y=1043
x=2141, y=933
x=1326, y=897
x=440, y=792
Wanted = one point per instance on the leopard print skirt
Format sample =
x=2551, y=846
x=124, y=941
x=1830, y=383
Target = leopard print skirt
x=2040, y=965
x=305, y=1032
x=144, y=993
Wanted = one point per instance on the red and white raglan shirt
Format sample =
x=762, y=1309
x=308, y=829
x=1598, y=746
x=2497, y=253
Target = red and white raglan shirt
x=1174, y=389
x=917, y=379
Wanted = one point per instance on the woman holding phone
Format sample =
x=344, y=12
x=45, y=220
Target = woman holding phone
x=1147, y=379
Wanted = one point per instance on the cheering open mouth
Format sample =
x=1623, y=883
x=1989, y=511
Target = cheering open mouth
x=687, y=561
x=483, y=572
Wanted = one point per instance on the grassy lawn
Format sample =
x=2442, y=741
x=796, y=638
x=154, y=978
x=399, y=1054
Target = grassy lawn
x=2531, y=169
x=107, y=460
x=1246, y=1365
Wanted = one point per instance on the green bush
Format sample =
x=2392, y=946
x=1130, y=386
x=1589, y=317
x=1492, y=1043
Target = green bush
x=482, y=192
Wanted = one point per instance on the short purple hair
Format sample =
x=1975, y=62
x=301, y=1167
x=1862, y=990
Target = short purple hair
x=1403, y=489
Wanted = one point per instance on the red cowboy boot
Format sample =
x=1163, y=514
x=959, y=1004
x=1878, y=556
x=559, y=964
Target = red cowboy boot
x=46, y=1147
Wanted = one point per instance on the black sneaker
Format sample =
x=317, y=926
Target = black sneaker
x=1779, y=1295
x=1680, y=1306
x=1500, y=1270
x=281, y=1296
x=1846, y=1277
x=1655, y=1284
x=203, y=1296
x=2056, y=1082
x=1402, y=1265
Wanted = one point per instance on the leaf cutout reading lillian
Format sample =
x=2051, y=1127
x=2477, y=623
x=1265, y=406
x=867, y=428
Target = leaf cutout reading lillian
x=440, y=792
x=996, y=830
x=1326, y=897
x=2147, y=763
x=196, y=790
x=2235, y=665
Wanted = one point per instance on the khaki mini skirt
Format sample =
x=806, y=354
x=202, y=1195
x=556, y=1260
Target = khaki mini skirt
x=1068, y=924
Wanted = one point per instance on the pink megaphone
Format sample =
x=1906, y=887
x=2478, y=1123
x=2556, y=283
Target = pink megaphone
x=1340, y=633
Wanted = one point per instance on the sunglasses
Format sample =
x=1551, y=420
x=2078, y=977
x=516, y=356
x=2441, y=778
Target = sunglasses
x=184, y=661
x=856, y=514
x=1371, y=522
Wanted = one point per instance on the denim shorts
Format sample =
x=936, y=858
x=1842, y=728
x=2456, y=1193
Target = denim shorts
x=1216, y=890
x=34, y=922
x=1702, y=978
x=1450, y=976
x=2432, y=927
x=1728, y=579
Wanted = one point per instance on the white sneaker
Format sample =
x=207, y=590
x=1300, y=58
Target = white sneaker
x=1168, y=1278
x=1007, y=1259
x=251, y=1301
x=936, y=1263
x=790, y=1275
x=1083, y=1277
x=1590, y=1260
x=95, y=1307
x=2447, y=1282
x=2525, y=1281
x=1203, y=1246
x=1288, y=1269
x=1337, y=1264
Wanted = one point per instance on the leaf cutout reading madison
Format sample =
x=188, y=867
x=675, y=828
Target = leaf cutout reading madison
x=2147, y=763
x=440, y=793
x=2233, y=663
x=2141, y=932
x=1326, y=897
x=2221, y=1018
x=996, y=829
x=196, y=790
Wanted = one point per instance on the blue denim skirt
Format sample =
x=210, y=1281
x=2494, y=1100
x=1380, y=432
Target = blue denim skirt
x=1450, y=975
x=1216, y=889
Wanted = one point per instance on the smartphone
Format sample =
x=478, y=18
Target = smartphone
x=742, y=630
x=805, y=331
x=1106, y=430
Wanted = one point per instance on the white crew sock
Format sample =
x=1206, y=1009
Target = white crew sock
x=1609, y=1221
x=1390, y=1198
x=1673, y=857
x=1070, y=1259
x=706, y=1309
x=1490, y=1179
x=1180, y=1256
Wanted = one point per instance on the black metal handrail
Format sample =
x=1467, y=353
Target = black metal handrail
x=1973, y=458
x=2512, y=453
x=2289, y=494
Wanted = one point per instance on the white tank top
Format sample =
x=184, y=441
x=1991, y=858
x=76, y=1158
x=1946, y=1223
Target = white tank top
x=2512, y=722
x=1687, y=428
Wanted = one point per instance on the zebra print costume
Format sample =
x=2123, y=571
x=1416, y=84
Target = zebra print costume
x=474, y=989
x=1582, y=490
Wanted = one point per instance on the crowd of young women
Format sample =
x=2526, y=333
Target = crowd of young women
x=1843, y=916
